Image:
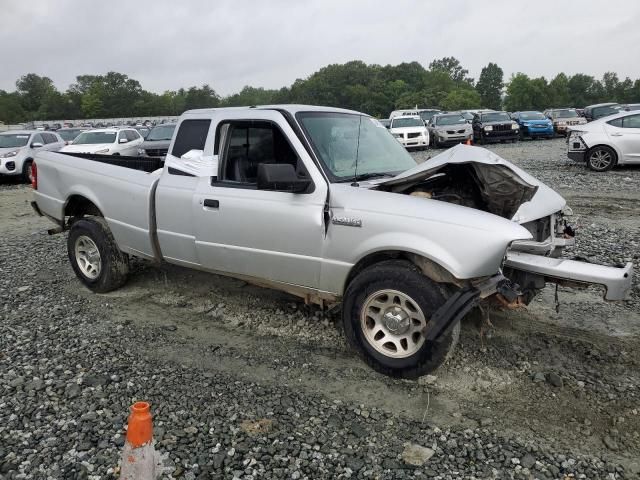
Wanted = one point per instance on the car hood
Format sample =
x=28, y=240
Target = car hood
x=408, y=129
x=512, y=192
x=86, y=148
x=9, y=149
x=455, y=126
x=153, y=144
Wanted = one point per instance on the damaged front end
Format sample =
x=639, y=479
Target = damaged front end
x=477, y=178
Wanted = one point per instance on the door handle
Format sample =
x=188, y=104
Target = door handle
x=209, y=203
x=617, y=134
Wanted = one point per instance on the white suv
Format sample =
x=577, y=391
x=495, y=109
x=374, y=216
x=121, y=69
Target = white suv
x=606, y=142
x=19, y=147
x=107, y=141
x=410, y=131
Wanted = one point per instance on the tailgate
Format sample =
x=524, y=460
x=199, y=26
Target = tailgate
x=616, y=280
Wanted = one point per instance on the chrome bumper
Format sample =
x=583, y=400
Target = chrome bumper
x=617, y=281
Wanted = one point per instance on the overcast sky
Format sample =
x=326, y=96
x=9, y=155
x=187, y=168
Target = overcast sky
x=231, y=43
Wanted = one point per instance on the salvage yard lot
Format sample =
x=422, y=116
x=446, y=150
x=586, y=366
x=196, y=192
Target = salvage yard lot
x=546, y=392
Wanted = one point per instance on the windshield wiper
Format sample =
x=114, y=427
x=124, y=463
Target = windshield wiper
x=367, y=176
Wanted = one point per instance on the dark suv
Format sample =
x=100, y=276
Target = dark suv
x=594, y=112
x=494, y=126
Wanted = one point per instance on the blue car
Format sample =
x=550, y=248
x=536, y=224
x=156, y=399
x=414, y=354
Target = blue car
x=533, y=124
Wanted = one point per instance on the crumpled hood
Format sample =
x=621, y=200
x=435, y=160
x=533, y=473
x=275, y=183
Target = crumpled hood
x=502, y=180
x=86, y=148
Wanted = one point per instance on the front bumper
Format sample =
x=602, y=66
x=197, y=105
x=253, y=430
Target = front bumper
x=421, y=141
x=452, y=139
x=500, y=135
x=616, y=280
x=578, y=156
x=537, y=132
x=8, y=166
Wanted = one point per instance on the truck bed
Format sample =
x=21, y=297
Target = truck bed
x=144, y=164
x=121, y=188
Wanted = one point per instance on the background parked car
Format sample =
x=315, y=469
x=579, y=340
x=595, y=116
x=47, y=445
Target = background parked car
x=143, y=131
x=563, y=118
x=385, y=122
x=629, y=107
x=410, y=131
x=19, y=147
x=607, y=142
x=449, y=129
x=494, y=126
x=533, y=124
x=157, y=142
x=68, y=134
x=594, y=112
x=107, y=141
x=424, y=113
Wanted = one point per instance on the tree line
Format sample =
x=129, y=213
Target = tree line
x=374, y=89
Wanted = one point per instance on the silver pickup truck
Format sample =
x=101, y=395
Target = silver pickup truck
x=325, y=204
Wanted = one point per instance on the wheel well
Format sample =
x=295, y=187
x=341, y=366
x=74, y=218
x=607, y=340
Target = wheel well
x=429, y=268
x=78, y=206
x=615, y=154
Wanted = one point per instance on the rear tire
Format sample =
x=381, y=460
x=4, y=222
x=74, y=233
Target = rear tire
x=601, y=158
x=95, y=257
x=385, y=308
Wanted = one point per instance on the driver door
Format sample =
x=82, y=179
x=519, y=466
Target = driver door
x=273, y=235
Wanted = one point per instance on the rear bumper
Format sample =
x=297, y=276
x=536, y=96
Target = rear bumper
x=617, y=281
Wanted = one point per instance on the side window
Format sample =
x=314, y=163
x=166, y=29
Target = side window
x=192, y=135
x=616, y=122
x=37, y=138
x=632, y=121
x=249, y=144
x=49, y=138
x=132, y=135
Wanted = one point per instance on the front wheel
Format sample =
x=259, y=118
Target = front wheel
x=386, y=309
x=27, y=172
x=95, y=257
x=601, y=158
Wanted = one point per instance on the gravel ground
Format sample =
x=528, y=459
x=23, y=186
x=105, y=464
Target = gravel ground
x=249, y=383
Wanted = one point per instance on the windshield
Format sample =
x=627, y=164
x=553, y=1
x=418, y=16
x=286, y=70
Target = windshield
x=467, y=115
x=427, y=114
x=564, y=114
x=338, y=139
x=68, y=135
x=13, y=140
x=448, y=120
x=89, y=138
x=532, y=116
x=400, y=122
x=495, y=117
x=161, y=132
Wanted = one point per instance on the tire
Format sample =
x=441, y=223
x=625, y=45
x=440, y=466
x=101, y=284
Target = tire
x=406, y=292
x=106, y=272
x=26, y=171
x=601, y=158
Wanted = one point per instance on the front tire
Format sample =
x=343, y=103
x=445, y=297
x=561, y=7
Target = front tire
x=27, y=174
x=601, y=158
x=385, y=309
x=95, y=257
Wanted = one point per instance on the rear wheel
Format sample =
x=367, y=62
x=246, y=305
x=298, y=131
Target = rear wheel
x=95, y=257
x=601, y=158
x=386, y=309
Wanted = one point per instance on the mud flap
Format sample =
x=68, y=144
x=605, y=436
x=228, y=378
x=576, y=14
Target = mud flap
x=453, y=310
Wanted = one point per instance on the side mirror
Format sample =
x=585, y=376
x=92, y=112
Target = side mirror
x=37, y=145
x=280, y=177
x=123, y=140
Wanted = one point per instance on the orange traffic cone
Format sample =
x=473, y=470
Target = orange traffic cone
x=468, y=142
x=139, y=458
